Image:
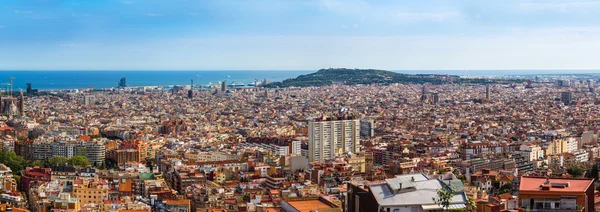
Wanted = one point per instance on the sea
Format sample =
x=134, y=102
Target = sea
x=98, y=79
x=57, y=80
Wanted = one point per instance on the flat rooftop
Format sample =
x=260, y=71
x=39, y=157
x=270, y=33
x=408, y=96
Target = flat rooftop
x=555, y=184
x=309, y=205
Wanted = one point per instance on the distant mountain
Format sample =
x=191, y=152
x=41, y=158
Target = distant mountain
x=345, y=76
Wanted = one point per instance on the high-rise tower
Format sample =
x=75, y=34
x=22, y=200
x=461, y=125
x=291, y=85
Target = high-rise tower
x=22, y=104
x=191, y=91
x=331, y=136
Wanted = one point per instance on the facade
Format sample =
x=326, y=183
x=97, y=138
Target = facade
x=329, y=137
x=565, y=97
x=552, y=194
x=367, y=128
x=35, y=174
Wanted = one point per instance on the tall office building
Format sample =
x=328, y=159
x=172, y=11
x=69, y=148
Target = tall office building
x=487, y=91
x=29, y=90
x=423, y=93
x=123, y=82
x=367, y=128
x=331, y=136
x=88, y=100
x=191, y=91
x=22, y=104
x=224, y=86
x=436, y=98
x=565, y=97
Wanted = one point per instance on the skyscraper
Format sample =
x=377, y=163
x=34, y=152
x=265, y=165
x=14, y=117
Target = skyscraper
x=487, y=92
x=436, y=98
x=191, y=91
x=367, y=128
x=565, y=97
x=29, y=90
x=329, y=136
x=22, y=104
x=123, y=82
x=423, y=93
x=224, y=86
x=88, y=100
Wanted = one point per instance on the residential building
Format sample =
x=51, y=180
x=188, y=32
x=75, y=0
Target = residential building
x=551, y=194
x=328, y=137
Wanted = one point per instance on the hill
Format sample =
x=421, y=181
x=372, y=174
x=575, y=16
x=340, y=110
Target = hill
x=330, y=76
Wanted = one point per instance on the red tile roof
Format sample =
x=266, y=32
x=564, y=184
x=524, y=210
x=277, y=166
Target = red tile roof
x=535, y=184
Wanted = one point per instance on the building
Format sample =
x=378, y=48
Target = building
x=63, y=149
x=309, y=204
x=90, y=191
x=93, y=151
x=88, y=100
x=560, y=146
x=367, y=128
x=29, y=90
x=532, y=151
x=35, y=174
x=224, y=86
x=330, y=136
x=66, y=203
x=123, y=82
x=435, y=98
x=553, y=194
x=411, y=192
x=565, y=97
x=487, y=92
x=191, y=91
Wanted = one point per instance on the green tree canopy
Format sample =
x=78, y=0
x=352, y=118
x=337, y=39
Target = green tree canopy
x=575, y=171
x=57, y=161
x=79, y=161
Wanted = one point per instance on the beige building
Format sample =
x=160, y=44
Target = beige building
x=332, y=136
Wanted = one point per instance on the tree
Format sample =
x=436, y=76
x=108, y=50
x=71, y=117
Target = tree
x=57, y=161
x=471, y=205
x=79, y=161
x=12, y=160
x=506, y=188
x=575, y=171
x=444, y=196
x=594, y=172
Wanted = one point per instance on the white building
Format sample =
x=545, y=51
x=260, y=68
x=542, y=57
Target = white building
x=326, y=138
x=532, y=151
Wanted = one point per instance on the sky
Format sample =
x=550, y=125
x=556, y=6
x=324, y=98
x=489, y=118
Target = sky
x=299, y=34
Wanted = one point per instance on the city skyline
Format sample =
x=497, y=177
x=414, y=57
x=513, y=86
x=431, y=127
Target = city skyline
x=298, y=35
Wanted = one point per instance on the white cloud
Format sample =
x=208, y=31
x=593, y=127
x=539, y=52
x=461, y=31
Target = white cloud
x=559, y=6
x=23, y=11
x=438, y=16
x=153, y=14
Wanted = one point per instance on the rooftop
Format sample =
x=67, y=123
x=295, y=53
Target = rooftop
x=542, y=184
x=309, y=205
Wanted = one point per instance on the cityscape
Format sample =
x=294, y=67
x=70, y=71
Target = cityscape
x=299, y=106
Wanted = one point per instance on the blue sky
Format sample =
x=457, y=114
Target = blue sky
x=299, y=34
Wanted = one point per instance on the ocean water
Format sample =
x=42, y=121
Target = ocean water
x=54, y=80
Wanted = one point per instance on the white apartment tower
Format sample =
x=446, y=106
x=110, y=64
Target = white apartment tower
x=328, y=137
